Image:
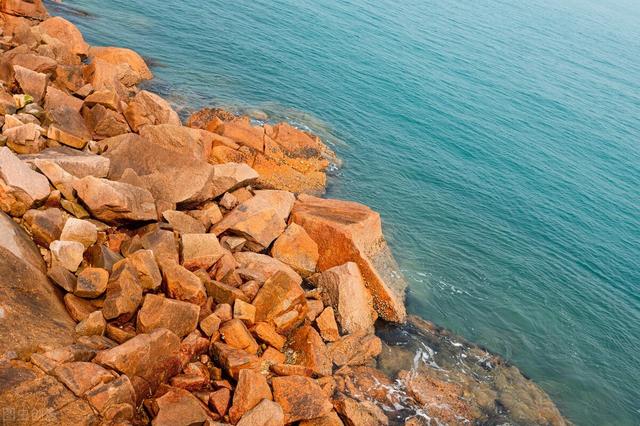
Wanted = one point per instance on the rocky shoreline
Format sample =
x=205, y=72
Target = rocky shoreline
x=159, y=273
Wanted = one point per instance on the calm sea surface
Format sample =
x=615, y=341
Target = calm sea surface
x=500, y=140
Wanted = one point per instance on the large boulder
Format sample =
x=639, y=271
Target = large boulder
x=27, y=8
x=168, y=175
x=343, y=289
x=65, y=31
x=147, y=108
x=351, y=232
x=32, y=314
x=120, y=55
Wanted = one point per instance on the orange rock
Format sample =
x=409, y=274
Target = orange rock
x=266, y=413
x=310, y=350
x=31, y=82
x=241, y=131
x=179, y=407
x=278, y=296
x=31, y=9
x=291, y=370
x=327, y=325
x=268, y=334
x=124, y=294
x=260, y=267
x=146, y=268
x=91, y=283
x=119, y=55
x=105, y=123
x=331, y=419
x=355, y=349
x=347, y=231
x=244, y=311
x=182, y=285
x=80, y=377
x=343, y=289
x=219, y=400
x=200, y=251
x=260, y=220
x=236, y=335
x=252, y=388
x=147, y=108
x=363, y=413
x=296, y=249
x=161, y=312
x=300, y=398
x=272, y=356
x=233, y=360
x=58, y=99
x=66, y=32
x=115, y=399
x=223, y=293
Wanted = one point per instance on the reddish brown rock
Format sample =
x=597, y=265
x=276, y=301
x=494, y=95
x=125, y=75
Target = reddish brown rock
x=105, y=123
x=183, y=223
x=210, y=325
x=143, y=261
x=223, y=293
x=91, y=283
x=296, y=249
x=115, y=202
x=147, y=108
x=266, y=413
x=280, y=295
x=93, y=325
x=260, y=267
x=300, y=398
x=252, y=388
x=244, y=311
x=159, y=312
x=355, y=349
x=291, y=370
x=268, y=334
x=233, y=360
x=179, y=407
x=260, y=220
x=230, y=176
x=79, y=308
x=124, y=294
x=182, y=285
x=115, y=400
x=347, y=231
x=331, y=419
x=343, y=289
x=200, y=251
x=311, y=351
x=219, y=400
x=45, y=225
x=80, y=377
x=31, y=9
x=327, y=325
x=363, y=413
x=163, y=244
x=31, y=82
x=236, y=335
x=152, y=357
x=119, y=55
x=20, y=187
x=66, y=32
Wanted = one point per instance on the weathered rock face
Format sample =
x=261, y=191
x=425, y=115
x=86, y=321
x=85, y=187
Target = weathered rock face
x=343, y=289
x=66, y=32
x=115, y=202
x=168, y=176
x=280, y=300
x=149, y=109
x=118, y=56
x=20, y=187
x=295, y=248
x=32, y=314
x=300, y=398
x=260, y=219
x=350, y=232
x=174, y=315
x=77, y=163
x=30, y=9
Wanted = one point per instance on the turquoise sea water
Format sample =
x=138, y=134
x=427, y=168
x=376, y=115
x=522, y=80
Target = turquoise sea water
x=500, y=140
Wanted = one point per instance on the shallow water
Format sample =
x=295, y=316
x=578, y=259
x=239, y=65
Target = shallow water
x=499, y=140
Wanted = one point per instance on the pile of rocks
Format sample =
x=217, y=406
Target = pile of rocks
x=195, y=282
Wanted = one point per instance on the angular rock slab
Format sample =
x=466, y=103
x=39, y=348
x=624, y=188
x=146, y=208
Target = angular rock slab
x=31, y=312
x=77, y=163
x=350, y=232
x=115, y=202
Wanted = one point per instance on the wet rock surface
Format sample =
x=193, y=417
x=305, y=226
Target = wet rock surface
x=155, y=273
